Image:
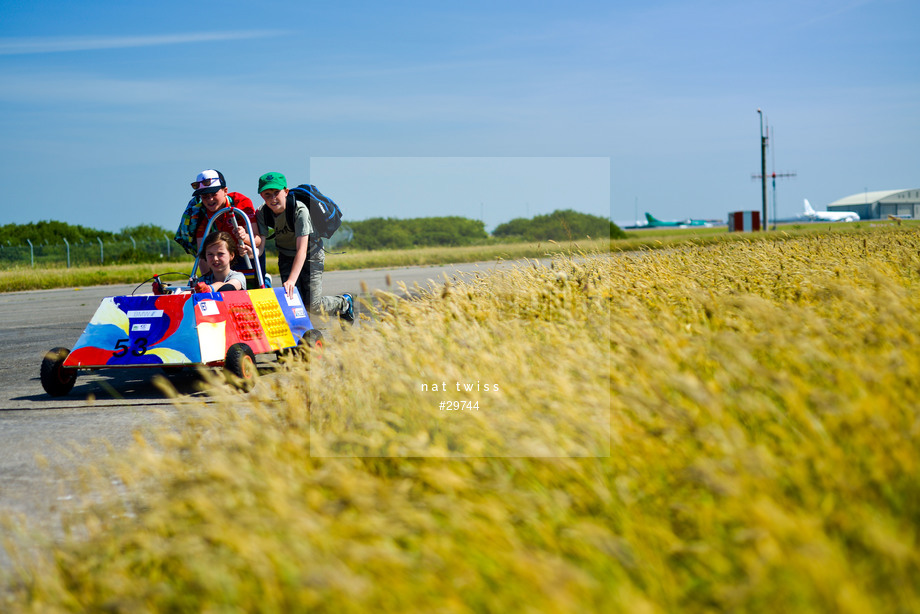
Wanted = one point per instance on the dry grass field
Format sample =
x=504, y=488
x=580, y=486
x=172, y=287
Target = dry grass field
x=730, y=427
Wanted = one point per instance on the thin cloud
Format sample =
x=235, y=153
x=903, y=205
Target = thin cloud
x=23, y=46
x=834, y=10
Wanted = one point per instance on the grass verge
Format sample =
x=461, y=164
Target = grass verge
x=27, y=278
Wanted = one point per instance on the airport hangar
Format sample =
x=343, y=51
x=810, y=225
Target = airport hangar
x=881, y=204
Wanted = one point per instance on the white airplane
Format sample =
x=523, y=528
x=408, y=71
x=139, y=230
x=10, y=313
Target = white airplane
x=829, y=216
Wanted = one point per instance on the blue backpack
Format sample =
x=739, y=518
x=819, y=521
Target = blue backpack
x=325, y=214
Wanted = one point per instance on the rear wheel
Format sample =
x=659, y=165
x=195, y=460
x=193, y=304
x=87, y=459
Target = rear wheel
x=240, y=366
x=56, y=380
x=311, y=339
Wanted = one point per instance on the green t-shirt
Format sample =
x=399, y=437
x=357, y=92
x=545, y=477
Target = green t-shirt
x=286, y=237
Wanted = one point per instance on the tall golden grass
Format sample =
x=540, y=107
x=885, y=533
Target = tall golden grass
x=724, y=428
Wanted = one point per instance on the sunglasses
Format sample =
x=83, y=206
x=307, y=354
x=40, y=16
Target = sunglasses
x=204, y=183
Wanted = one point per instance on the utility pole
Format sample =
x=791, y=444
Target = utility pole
x=763, y=170
x=773, y=176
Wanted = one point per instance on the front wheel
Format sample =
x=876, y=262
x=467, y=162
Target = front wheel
x=56, y=380
x=240, y=366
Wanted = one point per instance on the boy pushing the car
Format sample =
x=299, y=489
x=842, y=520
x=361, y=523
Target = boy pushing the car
x=300, y=250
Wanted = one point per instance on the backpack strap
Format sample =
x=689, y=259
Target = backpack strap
x=269, y=218
x=290, y=210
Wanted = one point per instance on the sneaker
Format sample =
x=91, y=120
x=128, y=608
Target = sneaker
x=348, y=314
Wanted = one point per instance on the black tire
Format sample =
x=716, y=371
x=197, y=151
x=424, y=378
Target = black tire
x=240, y=366
x=311, y=339
x=56, y=380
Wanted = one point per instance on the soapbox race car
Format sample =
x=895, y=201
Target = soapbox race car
x=180, y=328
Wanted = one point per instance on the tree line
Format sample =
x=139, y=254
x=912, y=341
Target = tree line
x=561, y=225
x=53, y=232
x=371, y=234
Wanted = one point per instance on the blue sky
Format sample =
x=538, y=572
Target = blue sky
x=485, y=109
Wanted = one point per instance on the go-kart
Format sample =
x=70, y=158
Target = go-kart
x=181, y=328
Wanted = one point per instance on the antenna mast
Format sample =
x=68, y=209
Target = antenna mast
x=763, y=173
x=763, y=169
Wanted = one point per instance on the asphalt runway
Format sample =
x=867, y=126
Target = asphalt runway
x=42, y=439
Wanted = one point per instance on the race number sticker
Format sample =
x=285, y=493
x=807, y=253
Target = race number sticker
x=140, y=327
x=292, y=301
x=208, y=308
x=153, y=313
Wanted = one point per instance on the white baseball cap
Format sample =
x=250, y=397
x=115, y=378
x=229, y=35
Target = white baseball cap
x=208, y=182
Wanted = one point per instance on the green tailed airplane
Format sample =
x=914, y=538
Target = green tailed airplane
x=655, y=222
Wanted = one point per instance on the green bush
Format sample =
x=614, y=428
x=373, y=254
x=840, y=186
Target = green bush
x=560, y=225
x=392, y=233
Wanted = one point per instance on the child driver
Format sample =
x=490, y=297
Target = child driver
x=219, y=251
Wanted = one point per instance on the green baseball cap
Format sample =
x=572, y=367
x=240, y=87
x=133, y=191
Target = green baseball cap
x=272, y=181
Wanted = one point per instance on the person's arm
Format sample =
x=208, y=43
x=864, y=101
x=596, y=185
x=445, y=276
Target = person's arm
x=244, y=204
x=243, y=240
x=258, y=229
x=203, y=284
x=299, y=259
x=244, y=245
x=237, y=281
